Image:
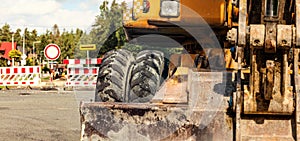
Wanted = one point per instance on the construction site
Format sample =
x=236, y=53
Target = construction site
x=175, y=70
x=235, y=79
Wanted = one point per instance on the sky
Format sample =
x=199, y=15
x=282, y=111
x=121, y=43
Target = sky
x=43, y=14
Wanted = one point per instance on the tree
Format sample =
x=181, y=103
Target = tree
x=18, y=37
x=85, y=39
x=56, y=32
x=27, y=41
x=29, y=61
x=15, y=54
x=67, y=45
x=107, y=32
x=68, y=41
x=33, y=36
x=3, y=62
x=5, y=34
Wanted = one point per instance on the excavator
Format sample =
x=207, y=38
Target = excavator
x=236, y=78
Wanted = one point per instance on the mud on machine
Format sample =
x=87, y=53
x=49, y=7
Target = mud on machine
x=245, y=87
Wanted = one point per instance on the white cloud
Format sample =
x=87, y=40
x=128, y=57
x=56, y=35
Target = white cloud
x=91, y=3
x=43, y=14
x=30, y=7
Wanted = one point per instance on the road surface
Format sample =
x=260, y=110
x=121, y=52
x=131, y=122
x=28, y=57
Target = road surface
x=34, y=115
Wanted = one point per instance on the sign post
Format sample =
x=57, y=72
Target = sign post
x=88, y=47
x=23, y=61
x=52, y=52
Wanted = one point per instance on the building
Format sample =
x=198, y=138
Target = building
x=5, y=48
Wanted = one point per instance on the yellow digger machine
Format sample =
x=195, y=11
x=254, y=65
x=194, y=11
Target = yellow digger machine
x=237, y=78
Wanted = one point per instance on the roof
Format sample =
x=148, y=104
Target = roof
x=7, y=47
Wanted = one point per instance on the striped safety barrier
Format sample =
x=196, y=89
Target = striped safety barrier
x=82, y=76
x=82, y=61
x=20, y=76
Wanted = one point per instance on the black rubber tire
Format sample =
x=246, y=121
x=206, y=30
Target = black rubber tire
x=146, y=76
x=113, y=76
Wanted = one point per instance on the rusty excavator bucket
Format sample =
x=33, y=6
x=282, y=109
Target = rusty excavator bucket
x=197, y=109
x=201, y=109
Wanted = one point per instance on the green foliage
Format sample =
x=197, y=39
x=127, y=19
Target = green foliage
x=3, y=62
x=5, y=33
x=133, y=48
x=29, y=62
x=45, y=69
x=67, y=42
x=115, y=41
x=15, y=54
x=107, y=33
x=136, y=48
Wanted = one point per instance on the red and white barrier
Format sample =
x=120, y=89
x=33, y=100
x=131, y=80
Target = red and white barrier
x=82, y=76
x=82, y=61
x=20, y=76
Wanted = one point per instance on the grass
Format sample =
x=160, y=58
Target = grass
x=45, y=79
x=9, y=87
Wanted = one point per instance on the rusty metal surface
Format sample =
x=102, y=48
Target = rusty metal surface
x=276, y=16
x=181, y=60
x=113, y=121
x=269, y=93
x=296, y=69
x=269, y=82
x=242, y=28
x=268, y=128
x=297, y=90
x=284, y=35
x=232, y=36
x=187, y=60
x=229, y=60
x=174, y=63
x=278, y=100
x=257, y=35
x=270, y=40
x=174, y=92
x=297, y=23
x=208, y=89
x=242, y=22
x=206, y=116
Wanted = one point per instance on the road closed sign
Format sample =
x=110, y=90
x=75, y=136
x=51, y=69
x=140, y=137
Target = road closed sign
x=52, y=51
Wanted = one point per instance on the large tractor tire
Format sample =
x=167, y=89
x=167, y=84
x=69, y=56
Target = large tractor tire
x=146, y=76
x=113, y=76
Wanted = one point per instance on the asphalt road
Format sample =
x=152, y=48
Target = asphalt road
x=34, y=115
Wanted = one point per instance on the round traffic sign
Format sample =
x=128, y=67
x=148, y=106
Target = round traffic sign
x=52, y=51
